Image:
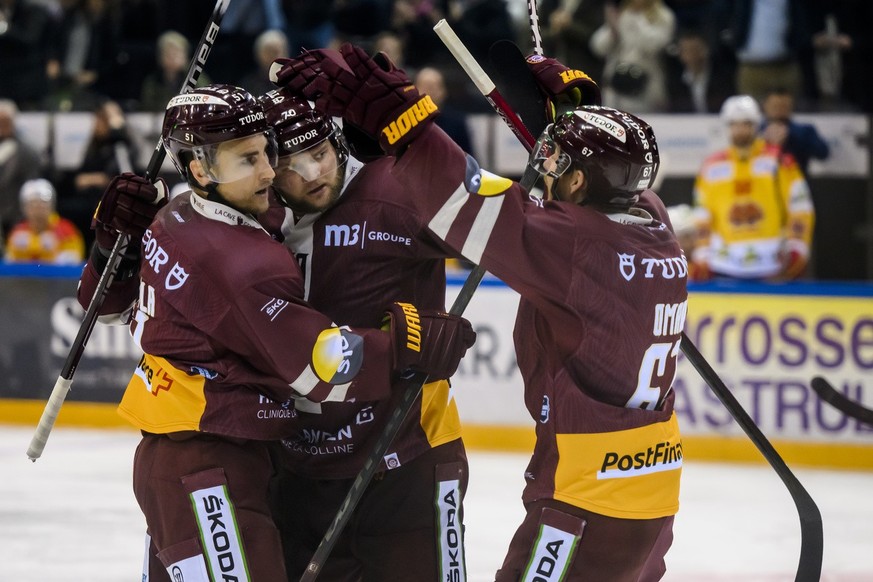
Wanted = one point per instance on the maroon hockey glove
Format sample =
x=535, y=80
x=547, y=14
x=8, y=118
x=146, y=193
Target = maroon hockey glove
x=563, y=87
x=369, y=92
x=128, y=206
x=428, y=341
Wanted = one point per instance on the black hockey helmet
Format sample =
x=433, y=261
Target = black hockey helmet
x=196, y=123
x=616, y=150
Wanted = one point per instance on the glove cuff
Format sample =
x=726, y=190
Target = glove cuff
x=128, y=267
x=407, y=125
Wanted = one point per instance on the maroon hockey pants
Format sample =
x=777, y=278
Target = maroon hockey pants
x=610, y=549
x=206, y=498
x=402, y=530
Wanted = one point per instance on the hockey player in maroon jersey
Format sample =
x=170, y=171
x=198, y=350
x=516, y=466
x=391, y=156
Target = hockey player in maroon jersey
x=603, y=292
x=353, y=222
x=229, y=343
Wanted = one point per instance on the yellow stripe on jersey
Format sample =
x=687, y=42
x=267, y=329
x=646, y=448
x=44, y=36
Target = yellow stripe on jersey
x=439, y=414
x=631, y=474
x=161, y=398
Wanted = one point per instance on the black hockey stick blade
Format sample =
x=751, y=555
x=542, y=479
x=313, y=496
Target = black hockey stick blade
x=839, y=401
x=515, y=81
x=811, y=529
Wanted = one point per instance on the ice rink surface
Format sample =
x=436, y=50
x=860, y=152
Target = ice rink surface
x=71, y=515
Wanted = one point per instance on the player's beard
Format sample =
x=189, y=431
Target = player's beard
x=304, y=206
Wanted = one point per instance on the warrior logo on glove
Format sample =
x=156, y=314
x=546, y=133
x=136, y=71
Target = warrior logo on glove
x=368, y=92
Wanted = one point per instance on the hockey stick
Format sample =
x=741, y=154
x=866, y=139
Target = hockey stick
x=534, y=19
x=812, y=537
x=839, y=401
x=518, y=86
x=415, y=384
x=482, y=81
x=65, y=379
x=811, y=534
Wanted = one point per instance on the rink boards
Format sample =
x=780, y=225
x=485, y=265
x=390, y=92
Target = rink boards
x=766, y=342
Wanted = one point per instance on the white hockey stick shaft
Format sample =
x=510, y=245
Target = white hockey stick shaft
x=534, y=19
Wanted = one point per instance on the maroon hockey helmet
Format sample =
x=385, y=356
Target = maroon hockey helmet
x=616, y=150
x=297, y=124
x=196, y=122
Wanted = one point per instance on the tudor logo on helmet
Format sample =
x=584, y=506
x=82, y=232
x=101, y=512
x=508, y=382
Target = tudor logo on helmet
x=605, y=124
x=303, y=135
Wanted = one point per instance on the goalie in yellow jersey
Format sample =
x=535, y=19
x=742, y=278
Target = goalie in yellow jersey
x=753, y=206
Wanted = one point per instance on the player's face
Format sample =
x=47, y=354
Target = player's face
x=311, y=180
x=249, y=161
x=742, y=133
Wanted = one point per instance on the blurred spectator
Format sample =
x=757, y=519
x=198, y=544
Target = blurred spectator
x=709, y=17
x=481, y=23
x=392, y=45
x=632, y=40
x=309, y=25
x=843, y=52
x=174, y=58
x=83, y=48
x=771, y=40
x=360, y=20
x=566, y=27
x=24, y=31
x=801, y=140
x=43, y=236
x=18, y=163
x=753, y=205
x=430, y=80
x=697, y=80
x=139, y=23
x=110, y=151
x=243, y=21
x=413, y=21
x=269, y=46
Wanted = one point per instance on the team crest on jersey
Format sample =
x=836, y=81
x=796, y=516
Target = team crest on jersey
x=626, y=266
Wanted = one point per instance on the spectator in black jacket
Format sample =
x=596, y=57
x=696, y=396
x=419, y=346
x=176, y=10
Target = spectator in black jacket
x=698, y=78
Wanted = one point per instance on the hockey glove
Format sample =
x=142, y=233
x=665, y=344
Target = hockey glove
x=369, y=92
x=794, y=257
x=564, y=88
x=128, y=206
x=428, y=341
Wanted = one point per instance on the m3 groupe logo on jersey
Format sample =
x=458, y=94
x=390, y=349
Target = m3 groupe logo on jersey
x=352, y=235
